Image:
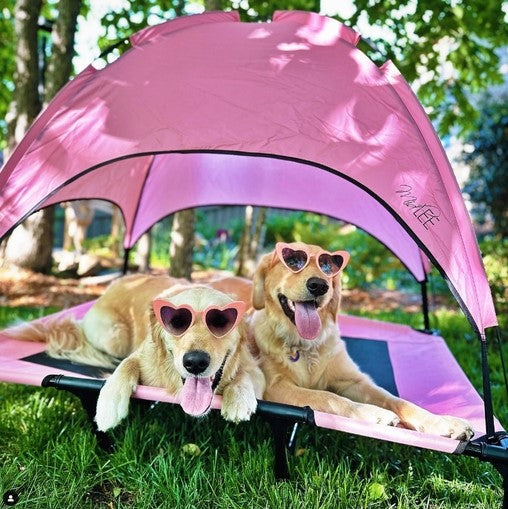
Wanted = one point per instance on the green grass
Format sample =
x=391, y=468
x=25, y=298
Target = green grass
x=49, y=456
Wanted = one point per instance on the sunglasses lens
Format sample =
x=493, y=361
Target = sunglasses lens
x=330, y=264
x=176, y=321
x=220, y=322
x=294, y=260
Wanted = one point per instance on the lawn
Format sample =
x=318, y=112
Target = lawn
x=49, y=456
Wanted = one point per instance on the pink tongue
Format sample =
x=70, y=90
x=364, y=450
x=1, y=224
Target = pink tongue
x=196, y=395
x=307, y=320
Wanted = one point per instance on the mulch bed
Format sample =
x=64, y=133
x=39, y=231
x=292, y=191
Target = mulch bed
x=25, y=288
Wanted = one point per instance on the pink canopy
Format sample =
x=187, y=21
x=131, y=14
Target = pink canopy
x=207, y=110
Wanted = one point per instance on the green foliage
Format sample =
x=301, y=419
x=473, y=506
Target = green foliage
x=487, y=184
x=468, y=32
x=428, y=35
x=10, y=316
x=102, y=245
x=262, y=10
x=7, y=64
x=495, y=257
x=134, y=15
x=209, y=250
x=216, y=254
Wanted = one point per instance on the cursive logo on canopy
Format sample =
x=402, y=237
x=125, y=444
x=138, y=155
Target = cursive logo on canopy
x=428, y=214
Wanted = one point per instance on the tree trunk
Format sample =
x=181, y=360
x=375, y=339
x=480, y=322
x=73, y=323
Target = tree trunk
x=143, y=252
x=26, y=103
x=182, y=244
x=249, y=245
x=62, y=47
x=258, y=230
x=117, y=229
x=243, y=253
x=28, y=245
x=31, y=246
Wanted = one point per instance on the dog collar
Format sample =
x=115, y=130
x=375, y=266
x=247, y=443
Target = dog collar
x=293, y=357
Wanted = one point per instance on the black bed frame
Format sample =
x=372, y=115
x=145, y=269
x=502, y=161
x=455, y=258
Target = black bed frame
x=284, y=421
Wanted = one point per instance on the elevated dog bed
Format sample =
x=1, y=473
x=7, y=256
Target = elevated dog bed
x=206, y=110
x=413, y=365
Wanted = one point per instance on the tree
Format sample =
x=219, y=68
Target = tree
x=30, y=244
x=23, y=108
x=62, y=48
x=25, y=104
x=448, y=49
x=487, y=184
x=250, y=241
x=182, y=243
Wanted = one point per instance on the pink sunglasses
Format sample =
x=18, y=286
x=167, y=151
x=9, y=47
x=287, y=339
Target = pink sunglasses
x=178, y=319
x=296, y=257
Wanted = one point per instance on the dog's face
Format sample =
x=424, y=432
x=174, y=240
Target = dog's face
x=300, y=302
x=202, y=329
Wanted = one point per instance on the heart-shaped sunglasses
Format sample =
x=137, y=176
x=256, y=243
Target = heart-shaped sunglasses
x=296, y=257
x=178, y=319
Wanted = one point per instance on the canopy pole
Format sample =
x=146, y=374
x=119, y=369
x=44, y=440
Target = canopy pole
x=487, y=395
x=126, y=252
x=425, y=305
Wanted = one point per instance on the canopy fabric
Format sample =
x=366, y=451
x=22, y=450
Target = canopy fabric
x=295, y=89
x=148, y=188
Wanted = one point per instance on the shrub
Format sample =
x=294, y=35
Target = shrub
x=495, y=254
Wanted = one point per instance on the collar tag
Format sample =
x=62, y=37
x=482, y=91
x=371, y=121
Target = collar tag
x=294, y=357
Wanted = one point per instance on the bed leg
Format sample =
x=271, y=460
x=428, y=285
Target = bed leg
x=87, y=390
x=503, y=470
x=89, y=403
x=280, y=429
x=284, y=422
x=284, y=442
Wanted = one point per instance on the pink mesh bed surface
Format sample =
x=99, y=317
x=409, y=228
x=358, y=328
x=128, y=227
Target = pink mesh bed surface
x=416, y=366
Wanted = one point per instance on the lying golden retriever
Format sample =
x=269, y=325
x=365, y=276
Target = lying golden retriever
x=296, y=292
x=192, y=340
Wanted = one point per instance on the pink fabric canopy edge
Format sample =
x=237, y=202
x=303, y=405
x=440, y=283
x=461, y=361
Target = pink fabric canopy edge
x=149, y=188
x=296, y=88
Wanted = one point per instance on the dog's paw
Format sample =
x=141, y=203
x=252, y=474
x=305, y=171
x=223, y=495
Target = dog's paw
x=112, y=405
x=238, y=404
x=375, y=414
x=447, y=426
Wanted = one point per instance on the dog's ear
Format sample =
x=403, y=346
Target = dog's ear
x=156, y=330
x=334, y=305
x=258, y=281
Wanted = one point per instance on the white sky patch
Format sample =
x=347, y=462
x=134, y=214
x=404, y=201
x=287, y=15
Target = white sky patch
x=343, y=8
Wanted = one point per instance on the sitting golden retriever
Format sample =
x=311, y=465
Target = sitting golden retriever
x=297, y=290
x=191, y=340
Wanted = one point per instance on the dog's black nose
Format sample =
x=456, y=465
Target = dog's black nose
x=317, y=286
x=196, y=361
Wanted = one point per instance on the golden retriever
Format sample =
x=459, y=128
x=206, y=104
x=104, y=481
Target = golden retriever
x=296, y=292
x=191, y=341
